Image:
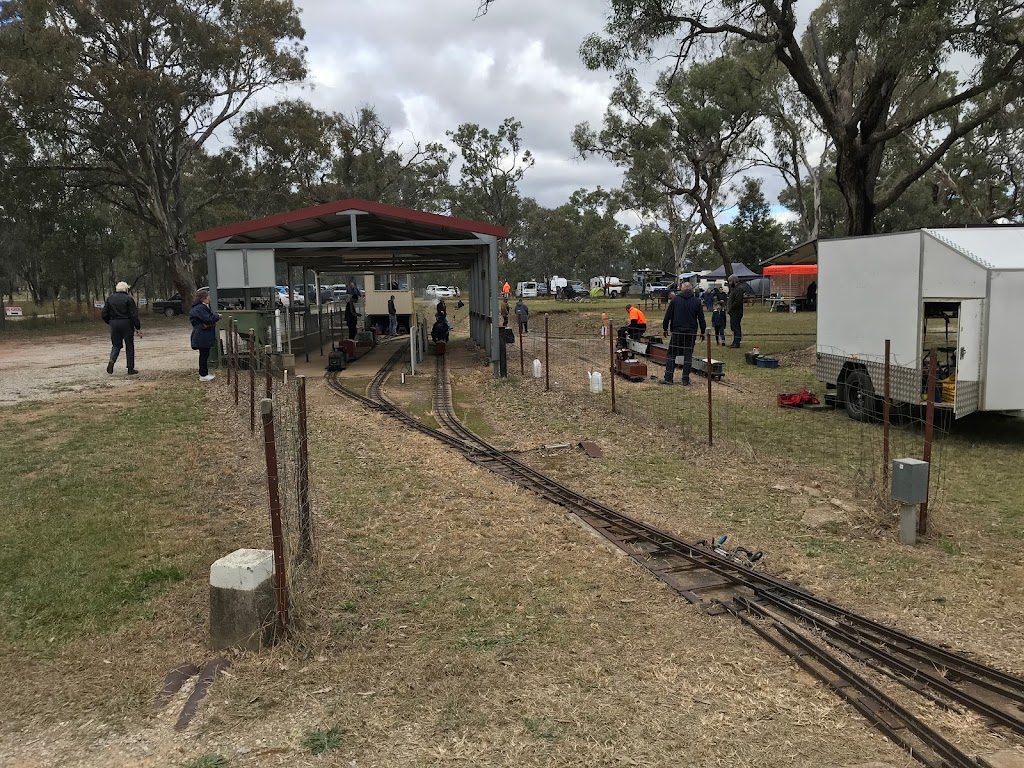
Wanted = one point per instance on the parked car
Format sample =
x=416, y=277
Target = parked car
x=658, y=289
x=542, y=289
x=233, y=299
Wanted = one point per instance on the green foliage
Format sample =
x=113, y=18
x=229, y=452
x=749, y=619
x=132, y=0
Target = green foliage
x=754, y=235
x=318, y=742
x=873, y=74
x=493, y=164
x=78, y=73
x=208, y=761
x=686, y=139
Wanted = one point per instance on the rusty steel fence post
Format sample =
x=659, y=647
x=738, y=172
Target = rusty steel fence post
x=886, y=415
x=708, y=370
x=305, y=510
x=234, y=355
x=547, y=366
x=611, y=370
x=227, y=356
x=929, y=426
x=276, y=530
x=268, y=370
x=522, y=365
x=252, y=381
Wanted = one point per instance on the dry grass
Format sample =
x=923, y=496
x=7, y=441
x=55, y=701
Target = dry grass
x=456, y=618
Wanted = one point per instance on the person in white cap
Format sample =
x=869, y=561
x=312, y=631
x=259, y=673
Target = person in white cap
x=122, y=315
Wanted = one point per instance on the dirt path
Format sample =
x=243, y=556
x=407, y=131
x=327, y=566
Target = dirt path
x=47, y=368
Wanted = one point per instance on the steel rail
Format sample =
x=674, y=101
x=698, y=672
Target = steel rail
x=621, y=528
x=878, y=708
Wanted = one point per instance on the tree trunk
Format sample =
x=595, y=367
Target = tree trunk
x=179, y=262
x=852, y=178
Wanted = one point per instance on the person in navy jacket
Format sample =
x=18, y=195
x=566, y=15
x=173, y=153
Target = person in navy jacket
x=204, y=331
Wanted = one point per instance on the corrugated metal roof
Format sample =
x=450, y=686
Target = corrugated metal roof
x=991, y=247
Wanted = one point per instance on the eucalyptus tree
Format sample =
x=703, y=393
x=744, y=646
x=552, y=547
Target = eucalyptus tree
x=689, y=137
x=868, y=69
x=492, y=165
x=134, y=90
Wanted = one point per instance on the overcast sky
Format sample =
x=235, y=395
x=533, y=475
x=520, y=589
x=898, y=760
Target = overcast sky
x=429, y=65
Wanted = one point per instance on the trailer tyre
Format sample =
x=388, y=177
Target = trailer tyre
x=169, y=312
x=859, y=397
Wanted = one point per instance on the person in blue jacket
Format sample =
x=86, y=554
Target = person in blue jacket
x=204, y=331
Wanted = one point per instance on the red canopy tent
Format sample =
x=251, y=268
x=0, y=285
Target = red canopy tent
x=790, y=281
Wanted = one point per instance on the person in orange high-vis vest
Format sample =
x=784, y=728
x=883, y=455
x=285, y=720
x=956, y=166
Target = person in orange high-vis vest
x=506, y=289
x=637, y=322
x=637, y=325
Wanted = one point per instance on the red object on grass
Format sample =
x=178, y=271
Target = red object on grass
x=800, y=399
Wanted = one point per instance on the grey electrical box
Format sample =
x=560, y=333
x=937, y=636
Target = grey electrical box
x=910, y=481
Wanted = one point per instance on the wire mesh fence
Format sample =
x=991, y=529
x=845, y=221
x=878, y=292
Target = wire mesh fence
x=734, y=403
x=271, y=402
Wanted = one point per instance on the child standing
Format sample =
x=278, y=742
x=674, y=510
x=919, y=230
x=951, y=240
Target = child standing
x=718, y=322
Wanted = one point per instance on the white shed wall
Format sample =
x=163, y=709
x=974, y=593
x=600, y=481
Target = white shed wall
x=869, y=291
x=1004, y=368
x=950, y=275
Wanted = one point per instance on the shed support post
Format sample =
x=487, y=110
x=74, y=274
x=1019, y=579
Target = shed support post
x=211, y=271
x=492, y=286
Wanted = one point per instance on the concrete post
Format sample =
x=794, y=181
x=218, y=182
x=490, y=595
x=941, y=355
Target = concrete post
x=242, y=600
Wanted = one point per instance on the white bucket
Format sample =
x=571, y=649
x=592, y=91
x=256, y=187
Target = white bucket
x=536, y=369
x=596, y=383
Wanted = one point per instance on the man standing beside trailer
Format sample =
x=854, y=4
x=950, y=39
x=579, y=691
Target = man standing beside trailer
x=735, y=307
x=684, y=315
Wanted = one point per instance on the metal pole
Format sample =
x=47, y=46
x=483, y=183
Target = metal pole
x=611, y=350
x=252, y=380
x=929, y=424
x=227, y=355
x=268, y=370
x=547, y=366
x=711, y=439
x=270, y=449
x=234, y=354
x=522, y=365
x=305, y=512
x=886, y=415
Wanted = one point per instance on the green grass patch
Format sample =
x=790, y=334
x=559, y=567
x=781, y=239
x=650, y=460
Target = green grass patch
x=87, y=491
x=542, y=728
x=208, y=761
x=318, y=742
x=949, y=546
x=815, y=547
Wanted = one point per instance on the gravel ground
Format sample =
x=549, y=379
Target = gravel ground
x=47, y=368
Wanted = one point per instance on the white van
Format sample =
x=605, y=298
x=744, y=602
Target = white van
x=526, y=290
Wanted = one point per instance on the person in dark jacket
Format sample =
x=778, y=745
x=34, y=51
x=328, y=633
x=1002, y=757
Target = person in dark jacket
x=440, y=329
x=122, y=315
x=204, y=331
x=718, y=323
x=683, y=317
x=392, y=318
x=351, y=315
x=523, y=316
x=735, y=307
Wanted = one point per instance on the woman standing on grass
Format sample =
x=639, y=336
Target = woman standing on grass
x=204, y=331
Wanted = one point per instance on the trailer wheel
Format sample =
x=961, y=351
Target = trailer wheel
x=169, y=312
x=859, y=396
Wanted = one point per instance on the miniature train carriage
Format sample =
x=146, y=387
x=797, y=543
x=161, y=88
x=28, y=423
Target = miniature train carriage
x=378, y=288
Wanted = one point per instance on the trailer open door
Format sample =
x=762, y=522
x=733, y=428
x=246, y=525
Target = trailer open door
x=967, y=398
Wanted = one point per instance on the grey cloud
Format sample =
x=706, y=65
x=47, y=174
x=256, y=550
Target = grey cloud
x=429, y=66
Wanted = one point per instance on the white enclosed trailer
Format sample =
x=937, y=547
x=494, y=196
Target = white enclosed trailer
x=958, y=291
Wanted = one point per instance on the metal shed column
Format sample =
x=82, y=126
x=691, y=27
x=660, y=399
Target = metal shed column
x=492, y=285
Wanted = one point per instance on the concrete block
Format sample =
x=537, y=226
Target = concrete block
x=242, y=603
x=284, y=361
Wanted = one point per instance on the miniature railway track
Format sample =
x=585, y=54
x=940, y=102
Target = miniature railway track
x=794, y=620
